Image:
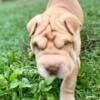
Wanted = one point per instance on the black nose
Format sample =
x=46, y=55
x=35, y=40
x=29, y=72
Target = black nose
x=52, y=70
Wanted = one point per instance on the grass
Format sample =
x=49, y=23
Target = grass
x=19, y=79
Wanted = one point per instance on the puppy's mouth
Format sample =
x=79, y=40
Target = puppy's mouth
x=53, y=65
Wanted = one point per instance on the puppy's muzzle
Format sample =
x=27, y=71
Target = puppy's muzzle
x=50, y=64
x=53, y=65
x=52, y=70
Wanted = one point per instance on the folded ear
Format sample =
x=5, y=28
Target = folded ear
x=37, y=24
x=71, y=23
x=33, y=24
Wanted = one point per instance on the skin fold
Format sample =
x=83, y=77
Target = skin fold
x=55, y=39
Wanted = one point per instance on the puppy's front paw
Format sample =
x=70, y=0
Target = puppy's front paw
x=67, y=96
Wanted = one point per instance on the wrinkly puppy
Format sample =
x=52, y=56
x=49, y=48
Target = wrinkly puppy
x=55, y=39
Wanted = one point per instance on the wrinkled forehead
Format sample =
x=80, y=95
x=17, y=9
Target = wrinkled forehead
x=53, y=25
x=61, y=23
x=54, y=28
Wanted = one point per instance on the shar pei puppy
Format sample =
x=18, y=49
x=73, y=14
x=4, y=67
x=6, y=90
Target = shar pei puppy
x=55, y=39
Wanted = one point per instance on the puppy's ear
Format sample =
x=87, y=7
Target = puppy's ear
x=33, y=24
x=37, y=24
x=72, y=24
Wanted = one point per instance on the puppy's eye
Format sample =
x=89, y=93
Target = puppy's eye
x=35, y=45
x=39, y=42
x=66, y=43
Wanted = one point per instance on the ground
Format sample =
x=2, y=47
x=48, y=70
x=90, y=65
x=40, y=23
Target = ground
x=19, y=79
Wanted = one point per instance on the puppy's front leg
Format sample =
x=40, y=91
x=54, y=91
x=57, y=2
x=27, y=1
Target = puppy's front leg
x=68, y=86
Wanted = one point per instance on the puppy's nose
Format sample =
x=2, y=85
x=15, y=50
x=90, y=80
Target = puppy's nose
x=52, y=70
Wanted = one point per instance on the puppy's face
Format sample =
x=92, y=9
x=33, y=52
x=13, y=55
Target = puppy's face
x=56, y=42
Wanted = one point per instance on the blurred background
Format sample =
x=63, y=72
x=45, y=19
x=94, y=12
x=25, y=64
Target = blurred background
x=19, y=79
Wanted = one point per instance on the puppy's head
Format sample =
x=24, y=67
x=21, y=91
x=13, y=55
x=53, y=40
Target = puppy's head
x=56, y=42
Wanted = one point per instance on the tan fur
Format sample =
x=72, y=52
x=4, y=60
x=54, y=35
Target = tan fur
x=55, y=39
